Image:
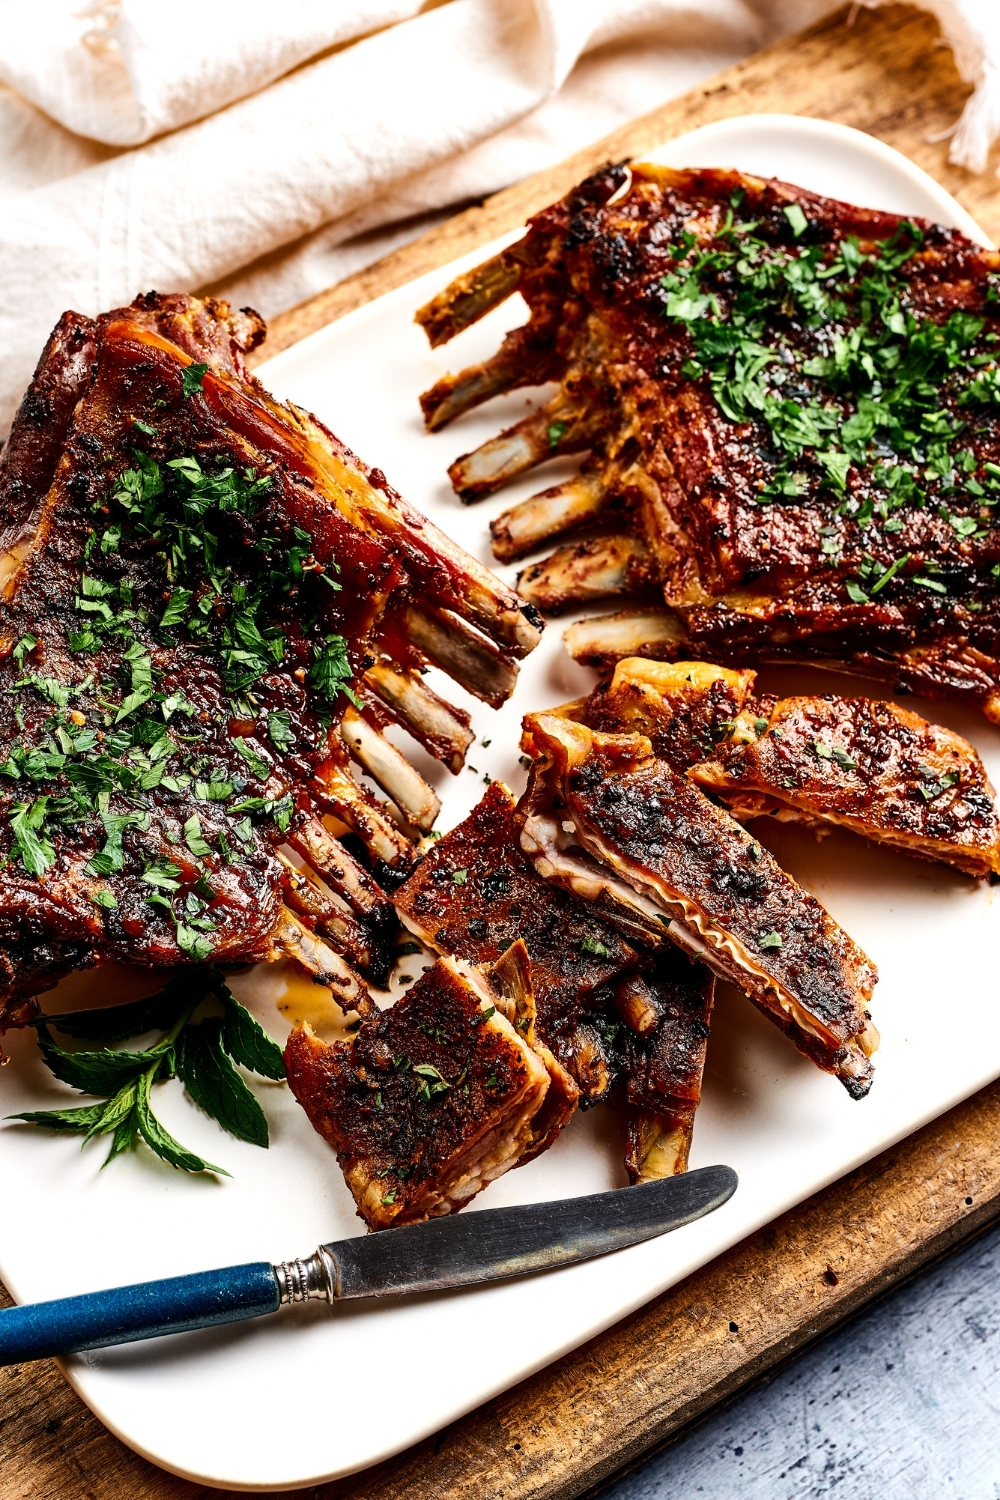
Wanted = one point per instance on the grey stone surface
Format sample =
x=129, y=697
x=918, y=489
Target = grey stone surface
x=901, y=1404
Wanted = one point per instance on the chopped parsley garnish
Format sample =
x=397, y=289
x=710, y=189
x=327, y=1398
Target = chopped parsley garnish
x=864, y=395
x=191, y=380
x=95, y=745
x=590, y=944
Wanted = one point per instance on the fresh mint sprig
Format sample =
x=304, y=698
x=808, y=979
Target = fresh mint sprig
x=204, y=1054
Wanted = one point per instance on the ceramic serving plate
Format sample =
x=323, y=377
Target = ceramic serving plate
x=314, y=1394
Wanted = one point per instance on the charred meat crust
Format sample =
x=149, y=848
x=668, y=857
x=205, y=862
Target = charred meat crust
x=865, y=765
x=664, y=1062
x=148, y=475
x=475, y=893
x=618, y=1020
x=603, y=802
x=30, y=455
x=433, y=1099
x=763, y=546
x=684, y=709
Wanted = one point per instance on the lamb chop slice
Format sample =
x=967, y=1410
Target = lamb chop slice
x=207, y=601
x=683, y=708
x=433, y=1099
x=858, y=762
x=603, y=818
x=789, y=405
x=615, y=1018
x=510, y=980
x=861, y=764
x=475, y=894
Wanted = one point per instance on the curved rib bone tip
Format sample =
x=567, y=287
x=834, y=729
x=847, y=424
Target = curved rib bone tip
x=466, y=656
x=293, y=940
x=468, y=298
x=453, y=395
x=331, y=919
x=340, y=794
x=443, y=730
x=551, y=512
x=658, y=1145
x=339, y=869
x=387, y=765
x=553, y=429
x=594, y=569
x=607, y=639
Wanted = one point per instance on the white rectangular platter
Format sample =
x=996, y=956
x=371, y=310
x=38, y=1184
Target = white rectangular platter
x=314, y=1394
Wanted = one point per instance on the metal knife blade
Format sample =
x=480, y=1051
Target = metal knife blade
x=462, y=1251
x=498, y=1243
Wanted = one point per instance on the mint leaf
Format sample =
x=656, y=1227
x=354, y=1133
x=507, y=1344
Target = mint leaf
x=100, y=1072
x=215, y=1085
x=30, y=845
x=162, y=1142
x=248, y=1043
x=177, y=608
x=158, y=1012
x=80, y=1117
x=193, y=943
x=257, y=764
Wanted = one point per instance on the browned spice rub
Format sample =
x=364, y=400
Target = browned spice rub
x=865, y=765
x=790, y=406
x=475, y=893
x=857, y=763
x=603, y=818
x=621, y=1017
x=434, y=1099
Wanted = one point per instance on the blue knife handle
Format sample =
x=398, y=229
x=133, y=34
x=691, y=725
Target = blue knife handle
x=143, y=1311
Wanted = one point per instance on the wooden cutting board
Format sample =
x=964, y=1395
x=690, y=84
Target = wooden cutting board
x=563, y=1432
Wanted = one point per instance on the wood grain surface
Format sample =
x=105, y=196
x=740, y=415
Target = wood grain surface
x=561, y=1433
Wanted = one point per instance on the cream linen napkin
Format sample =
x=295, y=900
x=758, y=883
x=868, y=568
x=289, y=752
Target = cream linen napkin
x=175, y=146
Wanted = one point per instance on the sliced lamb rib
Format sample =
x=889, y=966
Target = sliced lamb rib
x=616, y=1014
x=857, y=763
x=606, y=820
x=435, y=1097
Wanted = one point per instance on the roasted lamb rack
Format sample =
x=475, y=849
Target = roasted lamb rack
x=857, y=763
x=790, y=409
x=209, y=608
x=606, y=820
